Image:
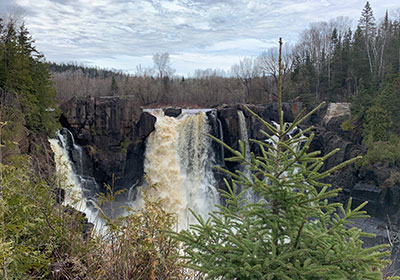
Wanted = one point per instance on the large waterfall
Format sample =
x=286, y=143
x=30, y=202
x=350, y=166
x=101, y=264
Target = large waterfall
x=179, y=160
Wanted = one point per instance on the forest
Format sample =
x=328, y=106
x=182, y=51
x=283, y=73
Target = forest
x=329, y=62
x=305, y=237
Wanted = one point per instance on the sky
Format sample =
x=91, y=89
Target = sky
x=198, y=34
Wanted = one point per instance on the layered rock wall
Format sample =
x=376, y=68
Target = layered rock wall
x=113, y=132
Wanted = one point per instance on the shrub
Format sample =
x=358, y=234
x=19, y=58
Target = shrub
x=137, y=246
x=382, y=151
x=33, y=226
x=124, y=145
x=347, y=125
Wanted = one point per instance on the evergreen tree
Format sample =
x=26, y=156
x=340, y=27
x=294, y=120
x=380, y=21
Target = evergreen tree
x=25, y=74
x=292, y=232
x=390, y=40
x=341, y=72
x=337, y=75
x=381, y=113
x=377, y=124
x=114, y=86
x=360, y=63
x=26, y=42
x=346, y=60
x=304, y=75
x=368, y=27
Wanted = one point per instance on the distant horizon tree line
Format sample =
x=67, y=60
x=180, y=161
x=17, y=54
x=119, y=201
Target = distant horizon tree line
x=329, y=62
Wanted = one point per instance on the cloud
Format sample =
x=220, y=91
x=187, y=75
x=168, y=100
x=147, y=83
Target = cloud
x=221, y=31
x=10, y=9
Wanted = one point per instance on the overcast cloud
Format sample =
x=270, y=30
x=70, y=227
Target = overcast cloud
x=197, y=33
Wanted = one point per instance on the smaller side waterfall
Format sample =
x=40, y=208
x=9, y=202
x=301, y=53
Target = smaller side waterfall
x=250, y=196
x=243, y=135
x=70, y=181
x=221, y=137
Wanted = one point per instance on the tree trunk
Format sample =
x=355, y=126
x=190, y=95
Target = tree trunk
x=2, y=203
x=381, y=69
x=369, y=55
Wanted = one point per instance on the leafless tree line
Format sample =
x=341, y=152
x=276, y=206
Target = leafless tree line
x=308, y=70
x=252, y=81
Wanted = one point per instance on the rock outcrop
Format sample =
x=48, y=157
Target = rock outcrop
x=375, y=183
x=112, y=132
x=379, y=184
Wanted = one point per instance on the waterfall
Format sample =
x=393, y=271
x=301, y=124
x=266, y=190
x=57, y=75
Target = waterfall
x=178, y=160
x=295, y=145
x=249, y=195
x=221, y=137
x=243, y=135
x=70, y=181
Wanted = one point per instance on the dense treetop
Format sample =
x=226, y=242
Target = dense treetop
x=27, y=92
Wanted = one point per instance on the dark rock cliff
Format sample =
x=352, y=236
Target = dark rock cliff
x=113, y=132
x=375, y=183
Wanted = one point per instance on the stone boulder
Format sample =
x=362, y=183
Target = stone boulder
x=172, y=112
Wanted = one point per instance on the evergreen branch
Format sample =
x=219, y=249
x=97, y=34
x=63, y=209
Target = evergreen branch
x=266, y=124
x=311, y=112
x=233, y=151
x=280, y=109
x=335, y=168
x=295, y=121
x=302, y=133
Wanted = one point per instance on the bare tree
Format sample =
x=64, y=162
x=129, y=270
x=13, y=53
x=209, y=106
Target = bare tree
x=269, y=65
x=162, y=65
x=246, y=70
x=144, y=71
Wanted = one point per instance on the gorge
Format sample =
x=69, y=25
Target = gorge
x=169, y=145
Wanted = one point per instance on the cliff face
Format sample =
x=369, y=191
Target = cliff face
x=378, y=184
x=113, y=132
